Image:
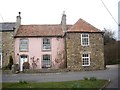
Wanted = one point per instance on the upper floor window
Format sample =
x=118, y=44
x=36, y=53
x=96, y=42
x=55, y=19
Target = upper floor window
x=86, y=59
x=84, y=39
x=23, y=45
x=46, y=44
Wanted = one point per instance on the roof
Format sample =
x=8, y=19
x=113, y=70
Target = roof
x=54, y=29
x=7, y=26
x=83, y=26
x=40, y=30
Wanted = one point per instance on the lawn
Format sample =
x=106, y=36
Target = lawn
x=97, y=84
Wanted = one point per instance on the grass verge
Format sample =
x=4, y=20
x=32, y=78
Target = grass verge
x=96, y=85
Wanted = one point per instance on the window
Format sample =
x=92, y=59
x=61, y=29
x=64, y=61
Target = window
x=84, y=39
x=85, y=59
x=46, y=44
x=46, y=62
x=23, y=44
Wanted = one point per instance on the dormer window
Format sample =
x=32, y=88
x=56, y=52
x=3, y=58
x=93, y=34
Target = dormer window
x=85, y=39
x=46, y=44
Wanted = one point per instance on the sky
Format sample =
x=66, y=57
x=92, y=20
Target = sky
x=50, y=12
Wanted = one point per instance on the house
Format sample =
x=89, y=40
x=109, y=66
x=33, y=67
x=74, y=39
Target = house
x=85, y=48
x=42, y=44
x=6, y=42
x=0, y=48
x=78, y=46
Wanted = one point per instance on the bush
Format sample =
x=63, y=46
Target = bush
x=26, y=65
x=86, y=78
x=77, y=85
x=23, y=82
x=93, y=79
x=9, y=66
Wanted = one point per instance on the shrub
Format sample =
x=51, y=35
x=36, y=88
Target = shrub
x=9, y=66
x=86, y=78
x=26, y=65
x=77, y=85
x=23, y=82
x=93, y=78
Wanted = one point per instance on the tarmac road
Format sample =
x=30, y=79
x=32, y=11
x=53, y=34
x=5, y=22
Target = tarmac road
x=110, y=73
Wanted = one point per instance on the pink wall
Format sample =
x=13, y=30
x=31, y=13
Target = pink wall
x=35, y=50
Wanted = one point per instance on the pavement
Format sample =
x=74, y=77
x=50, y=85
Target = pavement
x=111, y=73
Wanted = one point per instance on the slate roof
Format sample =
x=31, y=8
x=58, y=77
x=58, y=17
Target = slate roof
x=83, y=26
x=7, y=26
x=40, y=30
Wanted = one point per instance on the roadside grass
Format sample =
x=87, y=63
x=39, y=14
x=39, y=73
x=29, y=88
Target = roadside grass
x=93, y=84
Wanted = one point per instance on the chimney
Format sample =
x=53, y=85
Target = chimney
x=18, y=22
x=63, y=22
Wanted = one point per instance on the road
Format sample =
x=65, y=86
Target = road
x=110, y=73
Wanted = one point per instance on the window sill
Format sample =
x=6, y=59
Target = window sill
x=46, y=50
x=85, y=65
x=85, y=45
x=23, y=51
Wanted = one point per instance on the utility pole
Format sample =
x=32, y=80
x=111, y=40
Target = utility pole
x=119, y=20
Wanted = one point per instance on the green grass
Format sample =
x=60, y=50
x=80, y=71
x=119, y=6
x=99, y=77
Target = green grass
x=67, y=84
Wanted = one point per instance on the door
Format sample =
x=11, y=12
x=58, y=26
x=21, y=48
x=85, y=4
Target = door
x=23, y=58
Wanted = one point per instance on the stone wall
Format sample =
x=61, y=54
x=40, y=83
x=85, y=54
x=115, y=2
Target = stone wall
x=75, y=50
x=7, y=47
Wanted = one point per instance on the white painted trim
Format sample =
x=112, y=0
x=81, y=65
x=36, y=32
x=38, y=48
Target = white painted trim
x=86, y=57
x=88, y=39
x=50, y=44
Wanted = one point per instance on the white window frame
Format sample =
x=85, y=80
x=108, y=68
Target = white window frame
x=82, y=39
x=46, y=45
x=88, y=58
x=21, y=47
x=46, y=63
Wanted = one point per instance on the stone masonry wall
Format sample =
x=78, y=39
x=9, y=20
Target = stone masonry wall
x=7, y=47
x=75, y=51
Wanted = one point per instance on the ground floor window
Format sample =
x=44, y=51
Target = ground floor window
x=86, y=59
x=46, y=61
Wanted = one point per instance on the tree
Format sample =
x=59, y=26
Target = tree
x=110, y=47
x=108, y=36
x=10, y=62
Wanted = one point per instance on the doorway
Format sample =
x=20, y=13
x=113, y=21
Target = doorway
x=23, y=58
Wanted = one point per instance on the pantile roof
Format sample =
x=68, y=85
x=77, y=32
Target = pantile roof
x=40, y=30
x=54, y=29
x=83, y=26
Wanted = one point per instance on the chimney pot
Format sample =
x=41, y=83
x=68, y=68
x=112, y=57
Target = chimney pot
x=19, y=13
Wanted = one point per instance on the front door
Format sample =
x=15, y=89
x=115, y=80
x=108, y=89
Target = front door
x=23, y=58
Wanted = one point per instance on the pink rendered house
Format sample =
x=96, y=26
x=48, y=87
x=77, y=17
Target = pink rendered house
x=78, y=47
x=42, y=44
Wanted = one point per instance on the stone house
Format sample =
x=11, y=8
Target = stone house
x=77, y=47
x=85, y=48
x=6, y=42
x=0, y=46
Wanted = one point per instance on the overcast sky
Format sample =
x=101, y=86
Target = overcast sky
x=50, y=12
